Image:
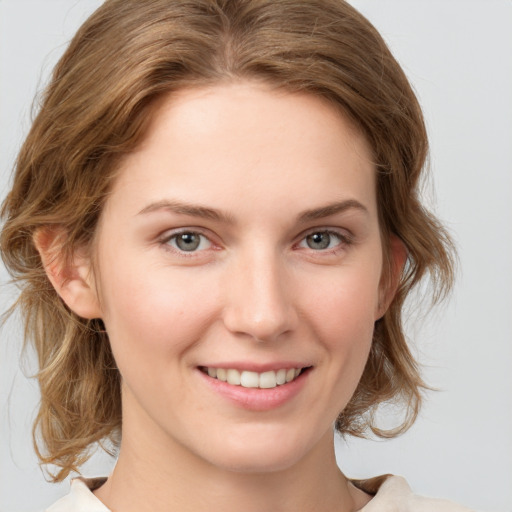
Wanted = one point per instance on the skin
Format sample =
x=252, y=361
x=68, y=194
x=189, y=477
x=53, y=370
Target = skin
x=254, y=292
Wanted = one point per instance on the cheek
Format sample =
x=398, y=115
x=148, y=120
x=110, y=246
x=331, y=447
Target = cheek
x=155, y=312
x=343, y=319
x=345, y=303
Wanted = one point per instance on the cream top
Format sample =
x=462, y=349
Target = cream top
x=391, y=494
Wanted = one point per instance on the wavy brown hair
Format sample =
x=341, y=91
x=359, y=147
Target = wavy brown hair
x=96, y=109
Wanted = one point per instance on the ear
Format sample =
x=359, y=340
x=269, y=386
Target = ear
x=391, y=280
x=72, y=280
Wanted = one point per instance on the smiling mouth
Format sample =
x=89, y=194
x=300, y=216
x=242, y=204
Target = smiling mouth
x=247, y=379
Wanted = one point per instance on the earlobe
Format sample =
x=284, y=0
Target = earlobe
x=390, y=282
x=71, y=277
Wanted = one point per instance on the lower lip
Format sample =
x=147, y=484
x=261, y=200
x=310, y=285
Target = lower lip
x=257, y=399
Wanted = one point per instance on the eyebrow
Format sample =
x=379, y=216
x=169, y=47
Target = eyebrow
x=189, y=209
x=331, y=209
x=193, y=210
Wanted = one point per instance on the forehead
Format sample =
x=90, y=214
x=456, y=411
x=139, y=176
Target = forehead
x=245, y=140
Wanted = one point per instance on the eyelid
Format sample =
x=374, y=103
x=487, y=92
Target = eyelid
x=169, y=234
x=346, y=238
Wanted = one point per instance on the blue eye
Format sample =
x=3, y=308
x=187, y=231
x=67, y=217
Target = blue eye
x=322, y=240
x=189, y=241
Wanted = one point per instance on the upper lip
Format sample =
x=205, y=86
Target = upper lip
x=257, y=367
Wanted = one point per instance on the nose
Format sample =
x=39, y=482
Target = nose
x=259, y=302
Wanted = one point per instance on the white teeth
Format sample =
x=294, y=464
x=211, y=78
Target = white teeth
x=268, y=380
x=290, y=374
x=233, y=377
x=247, y=379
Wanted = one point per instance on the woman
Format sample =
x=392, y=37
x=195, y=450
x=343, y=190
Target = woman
x=216, y=220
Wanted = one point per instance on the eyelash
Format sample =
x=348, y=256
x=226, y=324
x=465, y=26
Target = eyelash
x=165, y=241
x=345, y=240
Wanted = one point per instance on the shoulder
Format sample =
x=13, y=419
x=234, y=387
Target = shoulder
x=80, y=497
x=393, y=494
x=390, y=494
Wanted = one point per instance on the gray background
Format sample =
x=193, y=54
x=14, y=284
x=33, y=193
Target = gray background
x=458, y=54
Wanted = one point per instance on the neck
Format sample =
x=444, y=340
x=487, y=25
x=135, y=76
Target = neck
x=158, y=474
x=138, y=483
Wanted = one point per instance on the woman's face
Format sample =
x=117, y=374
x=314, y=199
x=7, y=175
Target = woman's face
x=240, y=242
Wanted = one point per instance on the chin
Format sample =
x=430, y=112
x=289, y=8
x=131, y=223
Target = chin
x=261, y=453
x=257, y=462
